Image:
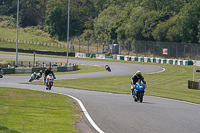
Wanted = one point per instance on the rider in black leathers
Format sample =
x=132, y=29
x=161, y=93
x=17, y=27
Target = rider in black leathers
x=135, y=78
x=47, y=72
x=1, y=72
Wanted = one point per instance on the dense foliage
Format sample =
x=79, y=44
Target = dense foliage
x=150, y=20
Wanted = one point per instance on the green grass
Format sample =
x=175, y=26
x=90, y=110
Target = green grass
x=11, y=34
x=31, y=46
x=33, y=111
x=4, y=129
x=172, y=83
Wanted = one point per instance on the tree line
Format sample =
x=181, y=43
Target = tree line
x=148, y=20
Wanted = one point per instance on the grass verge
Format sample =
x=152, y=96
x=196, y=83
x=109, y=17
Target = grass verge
x=11, y=34
x=33, y=111
x=31, y=46
x=172, y=83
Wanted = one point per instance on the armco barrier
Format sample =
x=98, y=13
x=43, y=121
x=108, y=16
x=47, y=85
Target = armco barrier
x=149, y=60
x=61, y=69
x=121, y=57
x=80, y=55
x=54, y=69
x=37, y=69
x=88, y=55
x=23, y=70
x=100, y=56
x=8, y=70
x=110, y=56
x=75, y=67
x=118, y=57
x=69, y=68
x=38, y=52
x=140, y=59
x=154, y=60
x=31, y=70
x=189, y=62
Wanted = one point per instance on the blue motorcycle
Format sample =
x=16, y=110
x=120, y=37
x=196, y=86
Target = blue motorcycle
x=138, y=92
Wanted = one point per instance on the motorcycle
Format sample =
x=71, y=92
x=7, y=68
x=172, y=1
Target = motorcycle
x=49, y=81
x=33, y=76
x=138, y=92
x=1, y=73
x=39, y=75
x=108, y=68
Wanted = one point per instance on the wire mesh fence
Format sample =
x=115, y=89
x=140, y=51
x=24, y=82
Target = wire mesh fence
x=125, y=47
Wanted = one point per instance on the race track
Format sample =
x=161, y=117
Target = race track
x=118, y=113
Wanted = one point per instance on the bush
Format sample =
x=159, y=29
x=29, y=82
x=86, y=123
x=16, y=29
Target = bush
x=7, y=21
x=4, y=64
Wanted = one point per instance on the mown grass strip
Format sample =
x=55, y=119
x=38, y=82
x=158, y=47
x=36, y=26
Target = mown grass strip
x=172, y=83
x=33, y=111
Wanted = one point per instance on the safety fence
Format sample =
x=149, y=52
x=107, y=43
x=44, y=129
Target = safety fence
x=184, y=51
x=9, y=67
x=37, y=69
x=136, y=58
x=33, y=42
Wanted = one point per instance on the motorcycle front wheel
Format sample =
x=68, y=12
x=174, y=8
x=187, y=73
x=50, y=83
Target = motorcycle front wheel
x=50, y=86
x=140, y=96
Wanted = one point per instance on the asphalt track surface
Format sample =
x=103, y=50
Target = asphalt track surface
x=118, y=113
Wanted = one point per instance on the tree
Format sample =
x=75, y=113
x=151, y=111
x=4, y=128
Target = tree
x=57, y=23
x=32, y=12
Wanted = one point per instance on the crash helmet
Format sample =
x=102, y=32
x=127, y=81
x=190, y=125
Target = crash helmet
x=49, y=68
x=34, y=73
x=40, y=71
x=138, y=74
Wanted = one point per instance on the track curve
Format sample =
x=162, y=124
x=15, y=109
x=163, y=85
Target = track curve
x=117, y=113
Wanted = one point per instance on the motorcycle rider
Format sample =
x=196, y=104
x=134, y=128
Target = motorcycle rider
x=107, y=68
x=33, y=77
x=1, y=72
x=137, y=76
x=47, y=72
x=39, y=75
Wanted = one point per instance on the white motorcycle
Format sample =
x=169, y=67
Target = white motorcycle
x=32, y=77
x=1, y=73
x=49, y=81
x=39, y=75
